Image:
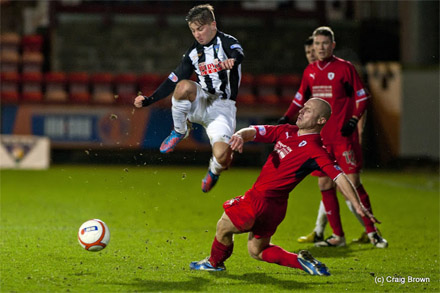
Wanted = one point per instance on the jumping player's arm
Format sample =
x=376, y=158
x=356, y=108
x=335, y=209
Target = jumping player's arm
x=233, y=50
x=183, y=71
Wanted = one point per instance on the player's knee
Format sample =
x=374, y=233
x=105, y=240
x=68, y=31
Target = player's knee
x=184, y=90
x=254, y=252
x=223, y=156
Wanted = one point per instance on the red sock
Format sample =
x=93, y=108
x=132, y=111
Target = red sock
x=220, y=252
x=365, y=200
x=331, y=205
x=275, y=254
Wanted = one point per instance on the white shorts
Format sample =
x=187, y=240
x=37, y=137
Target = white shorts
x=215, y=114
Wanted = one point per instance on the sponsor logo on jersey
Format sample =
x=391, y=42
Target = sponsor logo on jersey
x=312, y=75
x=298, y=96
x=236, y=46
x=331, y=75
x=322, y=91
x=173, y=77
x=210, y=68
x=282, y=149
x=360, y=93
x=337, y=168
x=303, y=143
x=287, y=135
x=261, y=130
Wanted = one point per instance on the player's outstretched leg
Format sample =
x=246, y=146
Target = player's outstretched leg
x=312, y=265
x=205, y=265
x=171, y=141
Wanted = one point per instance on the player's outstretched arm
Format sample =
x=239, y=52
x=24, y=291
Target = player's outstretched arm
x=350, y=193
x=240, y=137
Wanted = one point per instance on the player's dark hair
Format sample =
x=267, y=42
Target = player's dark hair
x=201, y=14
x=309, y=41
x=324, y=31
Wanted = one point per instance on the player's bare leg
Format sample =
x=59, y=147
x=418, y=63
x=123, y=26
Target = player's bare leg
x=220, y=160
x=184, y=94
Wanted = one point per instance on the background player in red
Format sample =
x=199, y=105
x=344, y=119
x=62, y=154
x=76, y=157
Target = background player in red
x=298, y=151
x=216, y=59
x=317, y=234
x=336, y=81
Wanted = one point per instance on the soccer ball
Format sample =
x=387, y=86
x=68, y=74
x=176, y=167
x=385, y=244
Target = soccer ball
x=94, y=235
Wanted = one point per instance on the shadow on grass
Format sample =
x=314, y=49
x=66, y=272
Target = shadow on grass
x=351, y=250
x=202, y=284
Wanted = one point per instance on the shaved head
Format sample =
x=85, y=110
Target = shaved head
x=323, y=107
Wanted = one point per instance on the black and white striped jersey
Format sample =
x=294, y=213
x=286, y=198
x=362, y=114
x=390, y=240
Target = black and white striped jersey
x=205, y=61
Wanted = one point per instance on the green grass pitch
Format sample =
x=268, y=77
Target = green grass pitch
x=160, y=221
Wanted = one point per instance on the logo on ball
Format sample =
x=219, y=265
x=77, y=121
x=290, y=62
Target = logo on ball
x=94, y=235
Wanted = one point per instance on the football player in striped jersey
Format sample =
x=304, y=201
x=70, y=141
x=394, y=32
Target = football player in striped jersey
x=216, y=59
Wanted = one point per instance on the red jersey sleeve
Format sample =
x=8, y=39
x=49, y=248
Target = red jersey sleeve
x=268, y=133
x=360, y=94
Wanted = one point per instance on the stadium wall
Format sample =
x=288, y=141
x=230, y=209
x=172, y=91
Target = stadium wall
x=420, y=112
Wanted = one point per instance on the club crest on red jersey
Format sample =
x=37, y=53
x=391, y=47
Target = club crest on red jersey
x=261, y=130
x=331, y=75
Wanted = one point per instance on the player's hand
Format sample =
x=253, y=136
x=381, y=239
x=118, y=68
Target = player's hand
x=142, y=101
x=363, y=212
x=283, y=120
x=228, y=64
x=236, y=143
x=138, y=101
x=349, y=127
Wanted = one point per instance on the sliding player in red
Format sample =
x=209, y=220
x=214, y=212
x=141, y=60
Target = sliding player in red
x=298, y=151
x=336, y=81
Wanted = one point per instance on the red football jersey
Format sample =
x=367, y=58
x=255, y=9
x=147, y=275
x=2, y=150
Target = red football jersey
x=337, y=82
x=293, y=158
